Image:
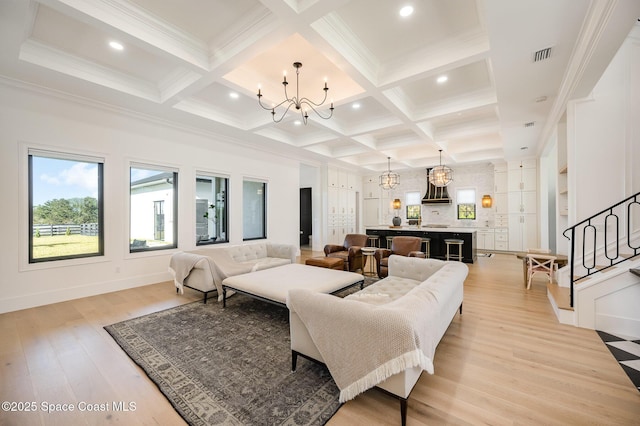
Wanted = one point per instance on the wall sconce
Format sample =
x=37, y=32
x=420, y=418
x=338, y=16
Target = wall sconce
x=487, y=201
x=396, y=206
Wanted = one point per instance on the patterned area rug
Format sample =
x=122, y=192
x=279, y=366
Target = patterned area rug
x=229, y=366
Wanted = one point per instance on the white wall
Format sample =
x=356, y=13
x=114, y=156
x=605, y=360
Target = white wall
x=32, y=119
x=602, y=132
x=603, y=141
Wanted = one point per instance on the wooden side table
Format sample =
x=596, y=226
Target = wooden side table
x=368, y=253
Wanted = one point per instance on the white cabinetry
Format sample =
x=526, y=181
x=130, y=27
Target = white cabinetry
x=341, y=204
x=501, y=239
x=523, y=206
x=371, y=189
x=500, y=178
x=485, y=239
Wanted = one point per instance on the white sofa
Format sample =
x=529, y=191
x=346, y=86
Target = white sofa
x=205, y=269
x=383, y=335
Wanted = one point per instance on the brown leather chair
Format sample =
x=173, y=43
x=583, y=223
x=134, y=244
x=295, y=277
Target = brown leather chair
x=349, y=252
x=402, y=246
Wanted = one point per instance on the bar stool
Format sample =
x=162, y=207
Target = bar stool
x=427, y=246
x=373, y=240
x=454, y=242
x=389, y=240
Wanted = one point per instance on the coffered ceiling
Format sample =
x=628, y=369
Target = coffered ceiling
x=199, y=63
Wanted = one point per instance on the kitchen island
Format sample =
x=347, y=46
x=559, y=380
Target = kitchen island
x=438, y=249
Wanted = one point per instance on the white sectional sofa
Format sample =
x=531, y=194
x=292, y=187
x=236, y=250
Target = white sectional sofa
x=384, y=335
x=205, y=269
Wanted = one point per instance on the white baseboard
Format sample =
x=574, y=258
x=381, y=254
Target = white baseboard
x=628, y=327
x=62, y=295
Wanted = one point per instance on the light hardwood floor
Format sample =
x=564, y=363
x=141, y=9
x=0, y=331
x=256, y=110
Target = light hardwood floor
x=506, y=360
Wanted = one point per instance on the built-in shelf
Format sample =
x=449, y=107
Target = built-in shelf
x=564, y=212
x=563, y=170
x=564, y=192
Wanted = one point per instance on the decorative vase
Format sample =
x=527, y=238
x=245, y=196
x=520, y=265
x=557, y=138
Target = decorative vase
x=396, y=221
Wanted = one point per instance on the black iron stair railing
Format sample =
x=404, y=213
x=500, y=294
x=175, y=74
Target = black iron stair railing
x=602, y=231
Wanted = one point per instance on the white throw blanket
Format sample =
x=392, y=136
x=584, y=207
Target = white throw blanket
x=218, y=261
x=180, y=265
x=373, y=342
x=222, y=266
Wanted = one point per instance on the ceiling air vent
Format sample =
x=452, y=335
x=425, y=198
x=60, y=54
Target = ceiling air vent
x=541, y=55
x=530, y=124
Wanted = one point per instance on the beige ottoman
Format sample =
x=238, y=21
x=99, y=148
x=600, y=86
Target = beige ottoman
x=326, y=262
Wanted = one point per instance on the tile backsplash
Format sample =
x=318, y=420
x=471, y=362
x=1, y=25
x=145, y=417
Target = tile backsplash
x=479, y=177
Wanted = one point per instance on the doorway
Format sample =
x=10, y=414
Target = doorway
x=305, y=216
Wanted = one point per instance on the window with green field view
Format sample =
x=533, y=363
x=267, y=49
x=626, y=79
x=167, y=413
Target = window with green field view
x=466, y=201
x=65, y=206
x=153, y=204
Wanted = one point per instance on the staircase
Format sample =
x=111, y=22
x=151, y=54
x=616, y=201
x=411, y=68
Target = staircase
x=600, y=286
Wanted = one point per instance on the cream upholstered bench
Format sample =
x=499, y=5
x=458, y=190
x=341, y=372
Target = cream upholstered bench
x=205, y=269
x=412, y=307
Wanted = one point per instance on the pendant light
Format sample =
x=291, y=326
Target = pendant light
x=441, y=175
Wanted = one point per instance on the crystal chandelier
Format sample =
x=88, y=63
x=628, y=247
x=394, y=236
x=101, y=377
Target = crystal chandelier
x=301, y=104
x=389, y=180
x=441, y=175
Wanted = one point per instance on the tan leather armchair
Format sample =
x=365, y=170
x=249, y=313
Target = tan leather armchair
x=402, y=246
x=349, y=252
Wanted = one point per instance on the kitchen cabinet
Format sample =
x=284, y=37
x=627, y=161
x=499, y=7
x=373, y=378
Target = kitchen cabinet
x=522, y=180
x=500, y=178
x=341, y=204
x=501, y=203
x=500, y=198
x=332, y=177
x=522, y=204
x=523, y=232
x=501, y=239
x=437, y=245
x=371, y=188
x=485, y=239
x=371, y=212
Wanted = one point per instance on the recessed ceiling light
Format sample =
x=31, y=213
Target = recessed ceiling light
x=297, y=122
x=406, y=11
x=355, y=105
x=234, y=95
x=116, y=45
x=442, y=79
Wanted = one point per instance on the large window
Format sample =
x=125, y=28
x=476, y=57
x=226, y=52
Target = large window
x=65, y=206
x=153, y=218
x=466, y=200
x=413, y=201
x=254, y=210
x=211, y=209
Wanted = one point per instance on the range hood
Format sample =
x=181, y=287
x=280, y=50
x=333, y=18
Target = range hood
x=435, y=194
